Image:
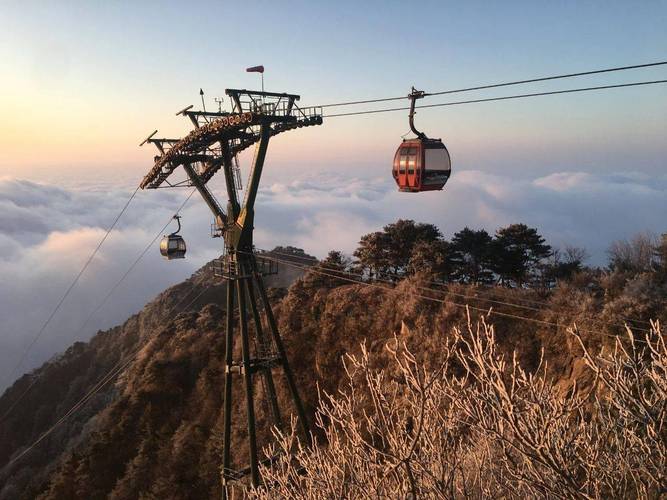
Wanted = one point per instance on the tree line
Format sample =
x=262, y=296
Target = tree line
x=515, y=256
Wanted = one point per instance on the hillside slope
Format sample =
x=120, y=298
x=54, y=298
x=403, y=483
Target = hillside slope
x=155, y=432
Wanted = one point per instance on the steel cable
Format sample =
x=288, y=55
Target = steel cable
x=450, y=292
x=502, y=98
x=103, y=302
x=115, y=370
x=503, y=84
x=432, y=299
x=70, y=288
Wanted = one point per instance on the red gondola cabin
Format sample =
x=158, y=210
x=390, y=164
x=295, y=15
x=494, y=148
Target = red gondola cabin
x=421, y=165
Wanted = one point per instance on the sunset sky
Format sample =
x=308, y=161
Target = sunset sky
x=82, y=83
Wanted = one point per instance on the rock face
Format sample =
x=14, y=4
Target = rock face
x=154, y=430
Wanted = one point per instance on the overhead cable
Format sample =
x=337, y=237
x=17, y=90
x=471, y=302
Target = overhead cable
x=426, y=297
x=108, y=377
x=503, y=84
x=104, y=300
x=501, y=98
x=309, y=261
x=69, y=289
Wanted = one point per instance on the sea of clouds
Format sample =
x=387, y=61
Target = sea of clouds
x=47, y=232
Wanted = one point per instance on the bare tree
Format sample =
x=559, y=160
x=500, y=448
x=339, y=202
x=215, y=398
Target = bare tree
x=480, y=426
x=635, y=255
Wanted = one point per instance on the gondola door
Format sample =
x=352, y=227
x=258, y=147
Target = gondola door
x=408, y=165
x=413, y=164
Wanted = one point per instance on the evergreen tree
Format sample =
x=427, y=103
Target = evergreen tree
x=470, y=256
x=389, y=251
x=335, y=264
x=518, y=251
x=372, y=253
x=402, y=236
x=433, y=257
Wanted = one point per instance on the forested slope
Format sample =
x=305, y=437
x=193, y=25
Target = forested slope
x=155, y=431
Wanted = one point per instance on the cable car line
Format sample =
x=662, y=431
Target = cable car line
x=449, y=292
x=433, y=299
x=115, y=370
x=71, y=287
x=377, y=285
x=501, y=98
x=488, y=289
x=360, y=276
x=504, y=84
x=104, y=300
x=134, y=264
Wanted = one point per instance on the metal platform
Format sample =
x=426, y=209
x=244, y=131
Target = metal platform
x=226, y=267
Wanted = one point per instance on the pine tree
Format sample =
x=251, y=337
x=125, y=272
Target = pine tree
x=372, y=253
x=518, y=251
x=402, y=236
x=471, y=254
x=325, y=276
x=433, y=257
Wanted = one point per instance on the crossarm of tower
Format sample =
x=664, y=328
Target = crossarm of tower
x=234, y=127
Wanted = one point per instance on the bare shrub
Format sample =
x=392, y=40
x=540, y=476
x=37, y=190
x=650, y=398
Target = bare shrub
x=480, y=426
x=634, y=256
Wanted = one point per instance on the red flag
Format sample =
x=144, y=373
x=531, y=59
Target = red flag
x=255, y=69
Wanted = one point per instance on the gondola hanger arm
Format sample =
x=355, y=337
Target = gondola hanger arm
x=413, y=96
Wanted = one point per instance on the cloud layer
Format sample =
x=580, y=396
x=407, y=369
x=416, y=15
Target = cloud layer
x=47, y=233
x=576, y=208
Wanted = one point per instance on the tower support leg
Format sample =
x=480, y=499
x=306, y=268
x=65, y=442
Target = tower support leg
x=227, y=412
x=246, y=284
x=247, y=375
x=283, y=356
x=266, y=373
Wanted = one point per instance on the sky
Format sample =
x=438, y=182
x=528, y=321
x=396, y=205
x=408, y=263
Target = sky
x=82, y=83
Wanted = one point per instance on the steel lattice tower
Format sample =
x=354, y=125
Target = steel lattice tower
x=212, y=146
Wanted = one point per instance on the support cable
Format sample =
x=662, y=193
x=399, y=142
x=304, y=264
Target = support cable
x=502, y=98
x=503, y=84
x=104, y=300
x=69, y=289
x=135, y=263
x=432, y=299
x=450, y=292
x=111, y=374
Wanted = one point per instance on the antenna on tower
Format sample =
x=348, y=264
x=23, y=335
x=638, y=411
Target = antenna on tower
x=218, y=101
x=201, y=94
